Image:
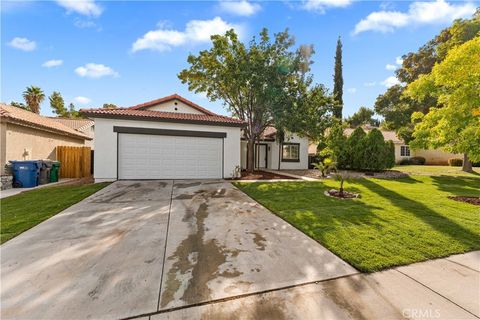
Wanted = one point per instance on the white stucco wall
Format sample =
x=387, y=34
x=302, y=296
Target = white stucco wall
x=105, y=164
x=170, y=106
x=272, y=162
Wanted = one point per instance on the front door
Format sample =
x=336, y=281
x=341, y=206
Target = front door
x=261, y=156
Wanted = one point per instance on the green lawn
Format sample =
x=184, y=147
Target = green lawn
x=437, y=171
x=27, y=209
x=395, y=222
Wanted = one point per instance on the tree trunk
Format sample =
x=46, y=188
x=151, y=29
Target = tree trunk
x=279, y=154
x=250, y=155
x=467, y=165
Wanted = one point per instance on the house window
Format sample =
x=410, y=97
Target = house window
x=404, y=151
x=291, y=152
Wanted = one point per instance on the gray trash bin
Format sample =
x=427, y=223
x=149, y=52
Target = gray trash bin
x=44, y=177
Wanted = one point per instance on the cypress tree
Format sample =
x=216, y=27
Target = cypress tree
x=338, y=81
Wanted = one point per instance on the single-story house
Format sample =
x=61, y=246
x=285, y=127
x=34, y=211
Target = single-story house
x=26, y=135
x=85, y=126
x=293, y=153
x=174, y=138
x=402, y=150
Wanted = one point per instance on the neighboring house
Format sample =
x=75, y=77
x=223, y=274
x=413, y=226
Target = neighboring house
x=402, y=150
x=292, y=153
x=167, y=138
x=26, y=136
x=85, y=126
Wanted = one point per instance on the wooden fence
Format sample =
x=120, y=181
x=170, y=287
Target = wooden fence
x=75, y=162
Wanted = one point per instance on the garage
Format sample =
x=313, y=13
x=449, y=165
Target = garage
x=166, y=138
x=147, y=156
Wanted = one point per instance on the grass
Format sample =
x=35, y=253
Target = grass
x=395, y=222
x=27, y=209
x=437, y=171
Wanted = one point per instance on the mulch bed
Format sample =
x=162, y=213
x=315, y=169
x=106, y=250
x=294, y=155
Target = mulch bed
x=346, y=195
x=471, y=200
x=262, y=175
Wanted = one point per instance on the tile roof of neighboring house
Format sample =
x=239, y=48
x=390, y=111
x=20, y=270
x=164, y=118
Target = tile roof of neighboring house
x=77, y=124
x=170, y=98
x=267, y=135
x=122, y=113
x=30, y=119
x=387, y=135
x=138, y=112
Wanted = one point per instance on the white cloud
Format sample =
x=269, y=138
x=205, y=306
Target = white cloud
x=83, y=7
x=391, y=67
x=390, y=81
x=82, y=24
x=52, y=63
x=418, y=13
x=352, y=90
x=399, y=61
x=94, y=70
x=240, y=8
x=22, y=44
x=370, y=84
x=82, y=100
x=320, y=6
x=196, y=31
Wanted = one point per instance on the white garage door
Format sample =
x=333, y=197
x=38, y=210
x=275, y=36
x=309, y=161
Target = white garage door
x=143, y=156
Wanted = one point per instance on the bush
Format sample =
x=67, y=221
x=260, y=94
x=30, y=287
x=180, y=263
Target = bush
x=376, y=151
x=404, y=162
x=455, y=162
x=417, y=161
x=356, y=148
x=390, y=154
x=360, y=151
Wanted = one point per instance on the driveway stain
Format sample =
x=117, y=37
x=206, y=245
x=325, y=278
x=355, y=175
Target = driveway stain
x=263, y=308
x=209, y=256
x=187, y=185
x=259, y=240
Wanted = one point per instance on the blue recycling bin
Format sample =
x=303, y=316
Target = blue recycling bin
x=25, y=173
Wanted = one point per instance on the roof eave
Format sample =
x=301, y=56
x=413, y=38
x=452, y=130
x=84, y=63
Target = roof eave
x=44, y=128
x=153, y=119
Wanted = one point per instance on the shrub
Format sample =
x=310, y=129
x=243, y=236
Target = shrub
x=390, y=154
x=375, y=151
x=455, y=162
x=417, y=161
x=405, y=162
x=356, y=145
x=336, y=146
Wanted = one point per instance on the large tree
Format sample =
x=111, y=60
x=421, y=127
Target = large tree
x=33, y=96
x=395, y=107
x=364, y=116
x=261, y=83
x=58, y=104
x=455, y=82
x=338, y=80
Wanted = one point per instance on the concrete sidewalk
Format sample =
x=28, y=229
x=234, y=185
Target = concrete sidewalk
x=438, y=289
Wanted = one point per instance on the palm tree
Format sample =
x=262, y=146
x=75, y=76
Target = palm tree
x=34, y=96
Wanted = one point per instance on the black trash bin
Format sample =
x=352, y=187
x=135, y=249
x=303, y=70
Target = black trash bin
x=44, y=177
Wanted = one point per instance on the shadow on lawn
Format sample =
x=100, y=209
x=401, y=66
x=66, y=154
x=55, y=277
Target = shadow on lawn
x=435, y=220
x=460, y=186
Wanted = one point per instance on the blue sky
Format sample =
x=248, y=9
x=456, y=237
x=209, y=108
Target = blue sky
x=131, y=52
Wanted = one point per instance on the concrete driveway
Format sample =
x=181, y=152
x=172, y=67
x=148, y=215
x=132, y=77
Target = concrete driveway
x=143, y=248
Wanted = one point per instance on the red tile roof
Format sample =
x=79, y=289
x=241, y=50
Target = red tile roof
x=138, y=112
x=30, y=119
x=170, y=98
x=77, y=124
x=122, y=113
